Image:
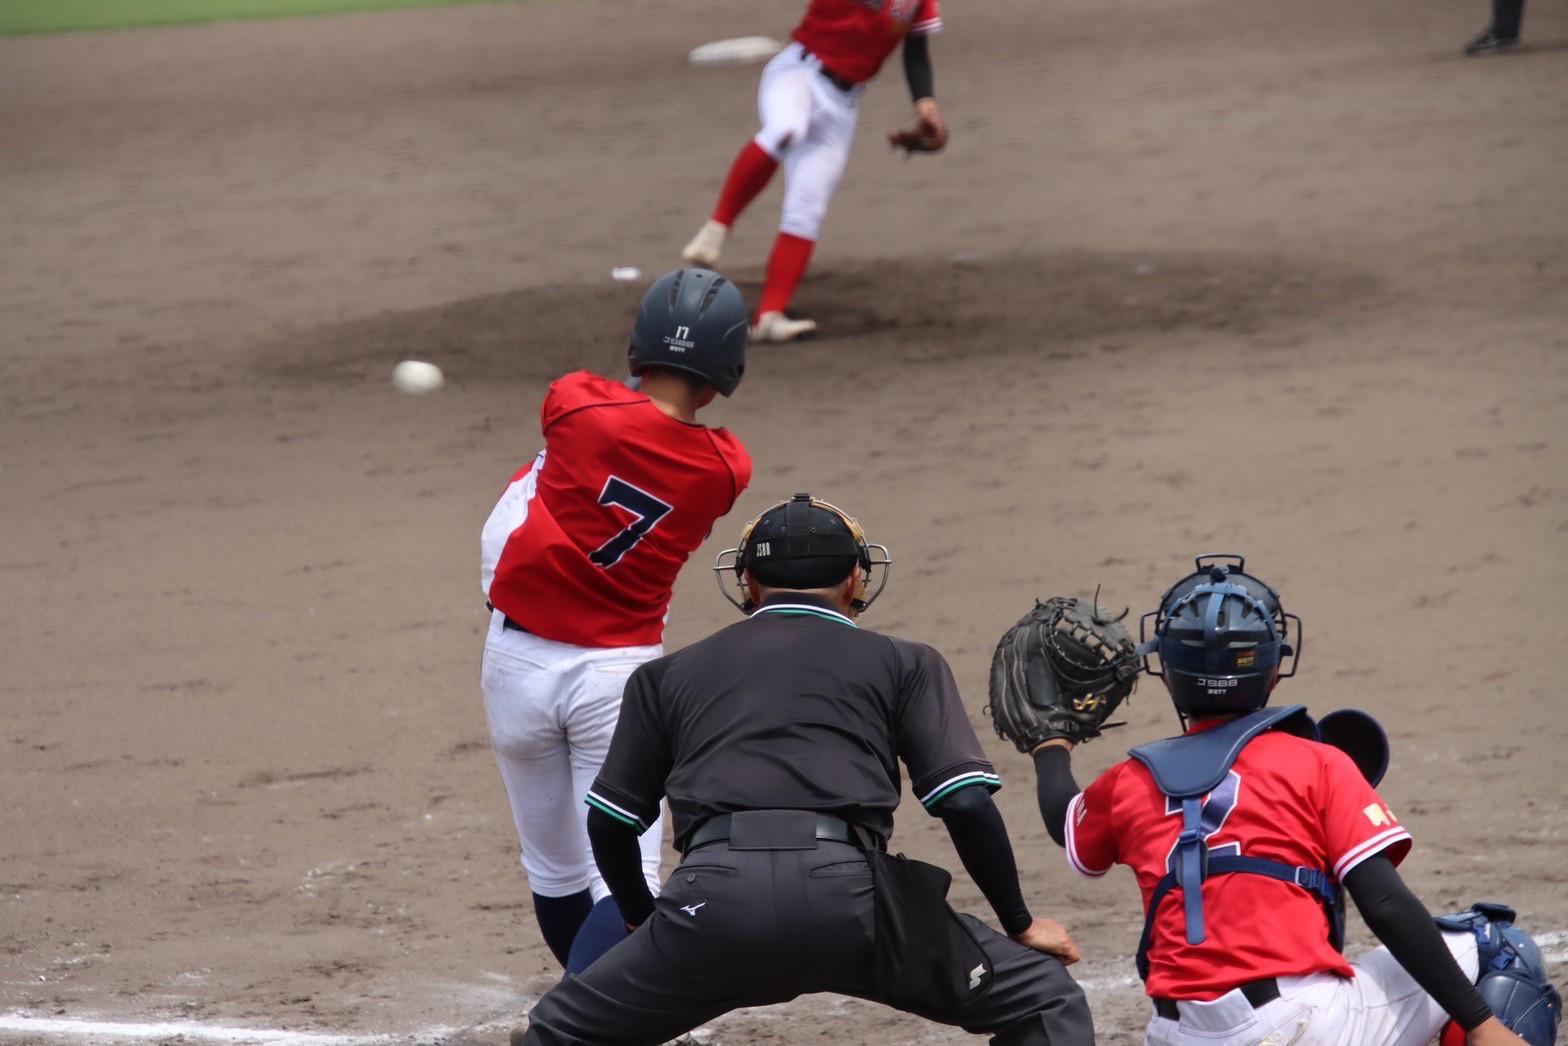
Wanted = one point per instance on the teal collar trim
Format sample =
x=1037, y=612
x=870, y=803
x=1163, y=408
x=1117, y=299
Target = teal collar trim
x=804, y=610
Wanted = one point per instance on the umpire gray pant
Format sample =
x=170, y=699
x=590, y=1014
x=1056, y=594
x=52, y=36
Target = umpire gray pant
x=739, y=928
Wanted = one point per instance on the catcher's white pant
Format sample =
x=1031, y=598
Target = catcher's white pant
x=1380, y=1006
x=808, y=125
x=551, y=708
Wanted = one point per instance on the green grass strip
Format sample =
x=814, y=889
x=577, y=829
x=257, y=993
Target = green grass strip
x=60, y=16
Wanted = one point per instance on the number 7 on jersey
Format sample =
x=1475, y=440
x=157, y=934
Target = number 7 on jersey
x=646, y=512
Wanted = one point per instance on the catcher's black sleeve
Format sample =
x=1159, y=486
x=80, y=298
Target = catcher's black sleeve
x=1402, y=923
x=619, y=858
x=917, y=67
x=980, y=837
x=1054, y=788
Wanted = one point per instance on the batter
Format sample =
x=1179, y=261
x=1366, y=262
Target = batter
x=579, y=557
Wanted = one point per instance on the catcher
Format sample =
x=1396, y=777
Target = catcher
x=1246, y=830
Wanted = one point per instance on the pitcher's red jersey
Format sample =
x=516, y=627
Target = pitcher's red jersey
x=854, y=37
x=586, y=541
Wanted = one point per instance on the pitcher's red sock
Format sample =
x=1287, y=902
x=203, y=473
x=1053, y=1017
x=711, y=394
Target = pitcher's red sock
x=748, y=176
x=786, y=265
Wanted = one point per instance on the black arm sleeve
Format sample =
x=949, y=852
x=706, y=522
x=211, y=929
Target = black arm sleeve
x=619, y=858
x=917, y=67
x=980, y=837
x=1054, y=788
x=1402, y=923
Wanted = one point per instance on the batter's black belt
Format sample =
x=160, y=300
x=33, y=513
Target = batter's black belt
x=773, y=830
x=1257, y=992
x=842, y=83
x=506, y=622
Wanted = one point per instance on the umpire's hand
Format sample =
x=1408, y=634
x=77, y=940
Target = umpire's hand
x=1049, y=937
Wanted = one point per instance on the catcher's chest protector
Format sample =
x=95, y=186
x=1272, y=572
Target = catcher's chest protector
x=1193, y=766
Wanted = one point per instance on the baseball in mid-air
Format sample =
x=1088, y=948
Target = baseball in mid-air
x=417, y=376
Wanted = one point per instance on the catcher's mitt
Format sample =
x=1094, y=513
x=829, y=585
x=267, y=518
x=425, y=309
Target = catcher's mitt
x=1060, y=672
x=927, y=136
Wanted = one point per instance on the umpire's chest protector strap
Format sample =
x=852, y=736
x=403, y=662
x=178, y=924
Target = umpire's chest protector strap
x=1192, y=766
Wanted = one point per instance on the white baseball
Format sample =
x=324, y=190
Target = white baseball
x=417, y=376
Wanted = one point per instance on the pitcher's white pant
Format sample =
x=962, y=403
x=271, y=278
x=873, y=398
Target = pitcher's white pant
x=1380, y=1006
x=808, y=125
x=551, y=708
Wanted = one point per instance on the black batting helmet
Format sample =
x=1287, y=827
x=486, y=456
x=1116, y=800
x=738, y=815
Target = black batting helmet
x=1221, y=638
x=692, y=320
x=802, y=543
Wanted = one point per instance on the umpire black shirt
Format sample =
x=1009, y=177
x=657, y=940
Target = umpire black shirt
x=795, y=708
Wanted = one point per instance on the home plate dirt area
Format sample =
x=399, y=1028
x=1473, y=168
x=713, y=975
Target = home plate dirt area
x=1288, y=280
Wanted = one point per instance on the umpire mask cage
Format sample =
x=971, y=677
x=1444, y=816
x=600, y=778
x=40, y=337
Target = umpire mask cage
x=1222, y=639
x=692, y=320
x=803, y=542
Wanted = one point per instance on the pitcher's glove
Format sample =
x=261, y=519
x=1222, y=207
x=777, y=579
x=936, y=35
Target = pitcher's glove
x=1060, y=672
x=927, y=136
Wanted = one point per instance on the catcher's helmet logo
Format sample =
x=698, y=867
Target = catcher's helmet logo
x=975, y=975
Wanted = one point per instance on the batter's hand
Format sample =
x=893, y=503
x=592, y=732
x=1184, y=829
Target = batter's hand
x=1049, y=937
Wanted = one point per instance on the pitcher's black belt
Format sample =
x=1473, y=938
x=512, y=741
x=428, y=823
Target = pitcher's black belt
x=842, y=83
x=772, y=830
x=1258, y=993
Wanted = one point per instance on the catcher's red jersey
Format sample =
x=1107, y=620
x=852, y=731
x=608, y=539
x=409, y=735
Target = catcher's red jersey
x=854, y=37
x=1286, y=799
x=585, y=543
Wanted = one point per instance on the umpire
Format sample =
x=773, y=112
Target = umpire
x=777, y=741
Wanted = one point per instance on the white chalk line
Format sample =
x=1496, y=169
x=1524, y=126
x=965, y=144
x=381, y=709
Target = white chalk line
x=126, y=1031
x=1099, y=977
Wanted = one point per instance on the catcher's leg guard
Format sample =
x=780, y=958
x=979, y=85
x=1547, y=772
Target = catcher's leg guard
x=1513, y=973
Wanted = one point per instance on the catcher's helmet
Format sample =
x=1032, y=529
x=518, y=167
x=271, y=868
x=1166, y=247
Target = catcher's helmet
x=692, y=320
x=802, y=543
x=1221, y=637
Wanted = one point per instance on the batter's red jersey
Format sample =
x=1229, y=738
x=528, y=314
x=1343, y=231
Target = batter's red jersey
x=854, y=37
x=586, y=541
x=1286, y=799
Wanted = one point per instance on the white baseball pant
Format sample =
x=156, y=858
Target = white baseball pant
x=551, y=708
x=808, y=125
x=1380, y=1006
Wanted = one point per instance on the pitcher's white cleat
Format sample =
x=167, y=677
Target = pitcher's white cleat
x=703, y=250
x=777, y=328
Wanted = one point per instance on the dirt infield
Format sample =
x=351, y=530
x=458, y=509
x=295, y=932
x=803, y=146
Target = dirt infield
x=1285, y=279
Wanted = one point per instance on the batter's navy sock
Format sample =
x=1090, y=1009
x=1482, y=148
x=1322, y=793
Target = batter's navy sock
x=560, y=918
x=786, y=266
x=749, y=175
x=602, y=930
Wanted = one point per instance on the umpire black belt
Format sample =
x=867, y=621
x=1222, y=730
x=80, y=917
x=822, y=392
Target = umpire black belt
x=1258, y=993
x=772, y=830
